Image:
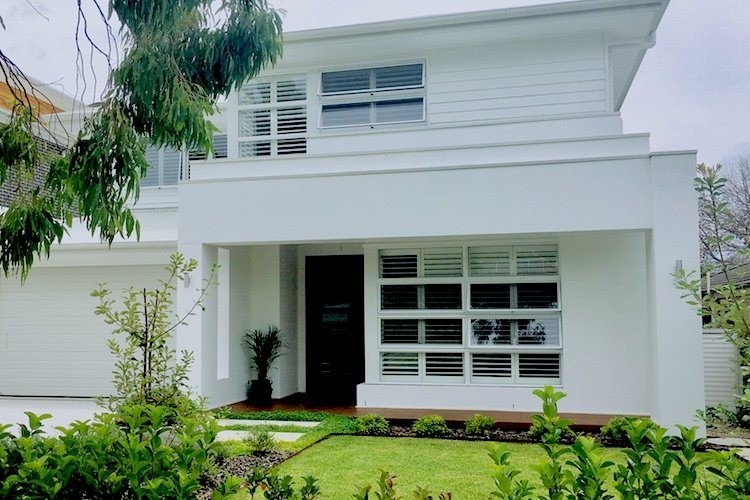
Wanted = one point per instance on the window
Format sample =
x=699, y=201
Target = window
x=220, y=149
x=374, y=96
x=273, y=117
x=164, y=167
x=470, y=314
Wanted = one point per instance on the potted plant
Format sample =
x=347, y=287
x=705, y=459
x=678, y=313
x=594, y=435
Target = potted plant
x=264, y=348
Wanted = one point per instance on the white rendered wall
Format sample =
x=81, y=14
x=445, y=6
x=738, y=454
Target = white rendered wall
x=604, y=337
x=288, y=364
x=562, y=197
x=677, y=381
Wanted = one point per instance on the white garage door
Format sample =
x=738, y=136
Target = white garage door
x=51, y=343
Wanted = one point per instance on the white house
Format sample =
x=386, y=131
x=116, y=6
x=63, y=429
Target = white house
x=440, y=212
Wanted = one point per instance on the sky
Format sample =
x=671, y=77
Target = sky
x=692, y=91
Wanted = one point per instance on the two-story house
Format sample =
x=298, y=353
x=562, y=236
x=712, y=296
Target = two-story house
x=440, y=212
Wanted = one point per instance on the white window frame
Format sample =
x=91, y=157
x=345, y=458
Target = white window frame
x=273, y=106
x=467, y=314
x=373, y=95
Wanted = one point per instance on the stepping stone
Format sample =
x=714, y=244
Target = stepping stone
x=232, y=435
x=744, y=454
x=242, y=435
x=287, y=436
x=225, y=422
x=730, y=442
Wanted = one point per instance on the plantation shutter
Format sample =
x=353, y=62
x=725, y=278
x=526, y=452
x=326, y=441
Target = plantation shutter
x=152, y=174
x=489, y=261
x=536, y=260
x=399, y=364
x=171, y=163
x=273, y=117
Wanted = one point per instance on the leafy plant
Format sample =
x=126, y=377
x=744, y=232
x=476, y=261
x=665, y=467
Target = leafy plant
x=591, y=471
x=135, y=454
x=504, y=476
x=617, y=428
x=431, y=426
x=372, y=425
x=726, y=303
x=147, y=370
x=261, y=441
x=479, y=425
x=277, y=487
x=552, y=473
x=264, y=347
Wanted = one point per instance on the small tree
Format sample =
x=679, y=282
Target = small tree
x=727, y=303
x=147, y=369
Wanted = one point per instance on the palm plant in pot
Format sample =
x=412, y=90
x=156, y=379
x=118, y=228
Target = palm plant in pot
x=264, y=347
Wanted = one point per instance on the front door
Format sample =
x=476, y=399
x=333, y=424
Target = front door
x=334, y=288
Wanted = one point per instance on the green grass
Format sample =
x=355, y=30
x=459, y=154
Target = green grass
x=341, y=463
x=286, y=415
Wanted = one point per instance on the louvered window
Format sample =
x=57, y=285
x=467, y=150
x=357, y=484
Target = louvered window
x=473, y=314
x=164, y=167
x=273, y=117
x=372, y=96
x=220, y=149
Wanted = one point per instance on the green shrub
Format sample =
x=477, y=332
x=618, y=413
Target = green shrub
x=479, y=425
x=372, y=425
x=618, y=427
x=260, y=441
x=431, y=426
x=136, y=453
x=275, y=487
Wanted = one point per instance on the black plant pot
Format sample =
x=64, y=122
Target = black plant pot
x=259, y=392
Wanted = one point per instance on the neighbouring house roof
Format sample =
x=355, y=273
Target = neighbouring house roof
x=738, y=274
x=44, y=98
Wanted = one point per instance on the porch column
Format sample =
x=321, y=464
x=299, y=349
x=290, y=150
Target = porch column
x=189, y=337
x=273, y=301
x=676, y=349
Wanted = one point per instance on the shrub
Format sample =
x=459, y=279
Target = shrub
x=618, y=427
x=479, y=425
x=431, y=426
x=134, y=454
x=720, y=415
x=372, y=425
x=261, y=441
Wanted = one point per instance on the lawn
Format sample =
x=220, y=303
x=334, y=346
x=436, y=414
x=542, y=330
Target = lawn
x=341, y=463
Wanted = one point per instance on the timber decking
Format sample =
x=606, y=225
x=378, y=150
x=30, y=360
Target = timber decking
x=505, y=419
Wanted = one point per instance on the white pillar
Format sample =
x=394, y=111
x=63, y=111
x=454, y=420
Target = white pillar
x=189, y=337
x=676, y=348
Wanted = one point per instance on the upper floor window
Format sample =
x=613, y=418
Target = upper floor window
x=164, y=167
x=372, y=96
x=273, y=116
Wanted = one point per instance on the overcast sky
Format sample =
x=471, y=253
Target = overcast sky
x=692, y=91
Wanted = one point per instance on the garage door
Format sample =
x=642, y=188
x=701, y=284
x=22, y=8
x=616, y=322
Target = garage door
x=51, y=343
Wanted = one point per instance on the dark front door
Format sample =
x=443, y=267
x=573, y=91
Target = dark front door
x=334, y=288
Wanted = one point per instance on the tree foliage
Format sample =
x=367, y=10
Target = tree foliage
x=727, y=301
x=179, y=57
x=725, y=212
x=147, y=368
